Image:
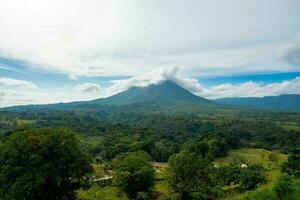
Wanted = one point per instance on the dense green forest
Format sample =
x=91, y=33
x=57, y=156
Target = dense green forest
x=128, y=152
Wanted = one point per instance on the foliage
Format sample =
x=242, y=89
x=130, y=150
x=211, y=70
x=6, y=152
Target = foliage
x=172, y=196
x=134, y=175
x=42, y=164
x=248, y=177
x=251, y=177
x=103, y=193
x=283, y=188
x=220, y=134
x=196, y=146
x=292, y=166
x=191, y=176
x=217, y=147
x=163, y=150
x=161, y=132
x=229, y=175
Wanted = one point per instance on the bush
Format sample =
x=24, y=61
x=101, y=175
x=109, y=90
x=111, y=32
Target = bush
x=292, y=166
x=284, y=188
x=252, y=177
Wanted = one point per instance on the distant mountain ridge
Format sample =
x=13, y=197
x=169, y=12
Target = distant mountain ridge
x=288, y=102
x=167, y=91
x=170, y=95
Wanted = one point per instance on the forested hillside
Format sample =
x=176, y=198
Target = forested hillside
x=288, y=102
x=199, y=138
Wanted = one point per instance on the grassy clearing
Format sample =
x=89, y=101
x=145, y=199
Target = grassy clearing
x=113, y=193
x=101, y=193
x=267, y=193
x=25, y=121
x=292, y=126
x=161, y=185
x=270, y=160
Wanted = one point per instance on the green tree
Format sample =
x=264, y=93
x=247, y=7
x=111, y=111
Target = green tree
x=42, y=164
x=217, y=147
x=196, y=146
x=292, y=166
x=134, y=174
x=251, y=177
x=162, y=151
x=191, y=176
x=230, y=174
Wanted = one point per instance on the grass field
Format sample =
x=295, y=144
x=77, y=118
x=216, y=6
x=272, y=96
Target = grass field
x=113, y=193
x=257, y=194
x=270, y=160
x=101, y=193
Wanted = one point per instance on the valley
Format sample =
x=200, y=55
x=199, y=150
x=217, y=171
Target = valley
x=158, y=129
x=149, y=100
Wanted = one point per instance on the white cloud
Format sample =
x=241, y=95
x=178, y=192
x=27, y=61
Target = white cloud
x=89, y=88
x=20, y=92
x=16, y=84
x=13, y=95
x=21, y=97
x=156, y=77
x=247, y=89
x=252, y=89
x=25, y=97
x=116, y=37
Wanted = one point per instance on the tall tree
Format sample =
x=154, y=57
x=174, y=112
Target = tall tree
x=42, y=164
x=134, y=174
x=191, y=177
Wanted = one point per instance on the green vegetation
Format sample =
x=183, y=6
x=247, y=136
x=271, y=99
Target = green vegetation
x=134, y=175
x=103, y=193
x=283, y=188
x=293, y=126
x=292, y=165
x=251, y=177
x=25, y=121
x=271, y=161
x=42, y=164
x=191, y=177
x=131, y=145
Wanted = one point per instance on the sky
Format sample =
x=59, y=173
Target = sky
x=61, y=51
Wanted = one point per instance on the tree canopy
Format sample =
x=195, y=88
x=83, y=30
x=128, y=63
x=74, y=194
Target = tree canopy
x=191, y=176
x=134, y=174
x=42, y=164
x=292, y=166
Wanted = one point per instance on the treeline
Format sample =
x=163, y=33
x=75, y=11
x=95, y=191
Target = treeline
x=161, y=134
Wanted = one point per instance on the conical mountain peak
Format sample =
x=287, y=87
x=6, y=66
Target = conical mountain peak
x=165, y=91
